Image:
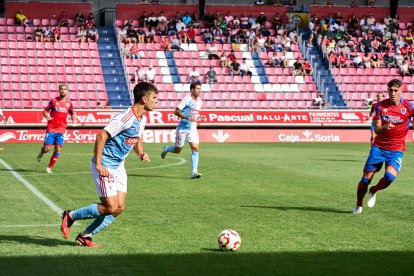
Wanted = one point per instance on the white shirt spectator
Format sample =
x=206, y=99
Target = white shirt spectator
x=180, y=26
x=228, y=18
x=162, y=18
x=150, y=73
x=244, y=66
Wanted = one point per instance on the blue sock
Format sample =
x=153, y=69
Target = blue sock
x=87, y=212
x=194, y=160
x=170, y=149
x=99, y=224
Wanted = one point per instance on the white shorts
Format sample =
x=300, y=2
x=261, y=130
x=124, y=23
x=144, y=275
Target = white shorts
x=109, y=186
x=186, y=136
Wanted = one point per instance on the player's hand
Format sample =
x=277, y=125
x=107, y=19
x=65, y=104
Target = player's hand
x=192, y=119
x=203, y=118
x=49, y=118
x=389, y=126
x=102, y=171
x=144, y=157
x=74, y=124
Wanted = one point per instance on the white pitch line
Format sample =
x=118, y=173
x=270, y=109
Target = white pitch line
x=32, y=188
x=29, y=225
x=182, y=161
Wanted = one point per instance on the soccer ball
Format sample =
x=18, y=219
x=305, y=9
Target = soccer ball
x=229, y=240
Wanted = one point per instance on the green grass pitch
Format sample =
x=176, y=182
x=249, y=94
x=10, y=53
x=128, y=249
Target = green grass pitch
x=291, y=203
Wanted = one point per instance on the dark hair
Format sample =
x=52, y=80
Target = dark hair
x=194, y=84
x=142, y=89
x=394, y=82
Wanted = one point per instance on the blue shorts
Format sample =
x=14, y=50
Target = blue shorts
x=378, y=156
x=53, y=138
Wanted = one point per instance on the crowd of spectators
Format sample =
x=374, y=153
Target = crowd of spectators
x=364, y=42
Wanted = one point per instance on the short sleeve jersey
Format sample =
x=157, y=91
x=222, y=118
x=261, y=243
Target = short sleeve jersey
x=190, y=108
x=393, y=139
x=125, y=130
x=59, y=111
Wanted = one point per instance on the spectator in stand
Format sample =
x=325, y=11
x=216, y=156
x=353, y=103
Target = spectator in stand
x=269, y=44
x=134, y=51
x=409, y=37
x=228, y=18
x=283, y=60
x=187, y=19
x=357, y=61
x=365, y=44
x=353, y=25
x=143, y=20
x=307, y=67
x=92, y=34
x=211, y=76
x=21, y=18
x=63, y=20
x=376, y=45
x=213, y=51
x=162, y=17
x=389, y=60
x=261, y=43
x=333, y=59
x=180, y=26
x=122, y=34
x=370, y=20
x=404, y=69
x=139, y=35
x=183, y=37
x=245, y=69
x=48, y=33
x=176, y=17
x=195, y=20
x=56, y=34
x=150, y=74
x=209, y=19
x=125, y=50
x=166, y=44
x=343, y=60
x=235, y=69
x=251, y=21
x=150, y=35
x=171, y=28
x=79, y=19
x=244, y=21
x=162, y=27
x=175, y=43
x=132, y=35
x=319, y=101
x=261, y=19
x=39, y=34
x=140, y=75
x=194, y=76
x=375, y=61
x=297, y=68
x=270, y=62
x=277, y=21
x=411, y=68
x=90, y=18
x=191, y=34
x=152, y=20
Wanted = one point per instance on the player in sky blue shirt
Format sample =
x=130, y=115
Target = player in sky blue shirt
x=112, y=146
x=189, y=112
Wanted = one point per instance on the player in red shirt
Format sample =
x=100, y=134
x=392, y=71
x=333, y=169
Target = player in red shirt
x=59, y=108
x=391, y=124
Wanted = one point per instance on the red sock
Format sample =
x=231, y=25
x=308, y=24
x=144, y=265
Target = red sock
x=53, y=159
x=382, y=184
x=361, y=192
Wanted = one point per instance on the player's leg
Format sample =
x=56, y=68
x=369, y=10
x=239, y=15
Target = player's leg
x=49, y=141
x=194, y=142
x=392, y=168
x=180, y=139
x=372, y=165
x=56, y=153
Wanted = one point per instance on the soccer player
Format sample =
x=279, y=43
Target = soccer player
x=380, y=97
x=56, y=114
x=112, y=146
x=189, y=112
x=391, y=124
x=2, y=117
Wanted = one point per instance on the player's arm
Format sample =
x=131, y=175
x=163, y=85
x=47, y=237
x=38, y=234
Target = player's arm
x=98, y=149
x=379, y=127
x=139, y=150
x=46, y=115
x=178, y=112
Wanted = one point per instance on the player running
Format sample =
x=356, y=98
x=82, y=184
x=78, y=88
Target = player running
x=59, y=109
x=112, y=146
x=391, y=124
x=189, y=112
x=380, y=97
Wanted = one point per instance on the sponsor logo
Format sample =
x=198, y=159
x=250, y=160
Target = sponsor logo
x=350, y=116
x=220, y=136
x=7, y=136
x=392, y=119
x=194, y=111
x=403, y=111
x=308, y=136
x=132, y=141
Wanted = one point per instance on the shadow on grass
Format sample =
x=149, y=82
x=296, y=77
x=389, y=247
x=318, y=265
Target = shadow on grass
x=36, y=240
x=18, y=170
x=156, y=176
x=92, y=262
x=300, y=208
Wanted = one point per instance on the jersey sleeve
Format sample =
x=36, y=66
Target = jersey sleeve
x=142, y=126
x=49, y=106
x=183, y=104
x=377, y=115
x=71, y=111
x=115, y=127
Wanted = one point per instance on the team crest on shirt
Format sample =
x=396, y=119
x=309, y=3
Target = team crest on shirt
x=403, y=111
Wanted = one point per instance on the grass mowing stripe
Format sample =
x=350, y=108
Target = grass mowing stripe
x=33, y=189
x=28, y=225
